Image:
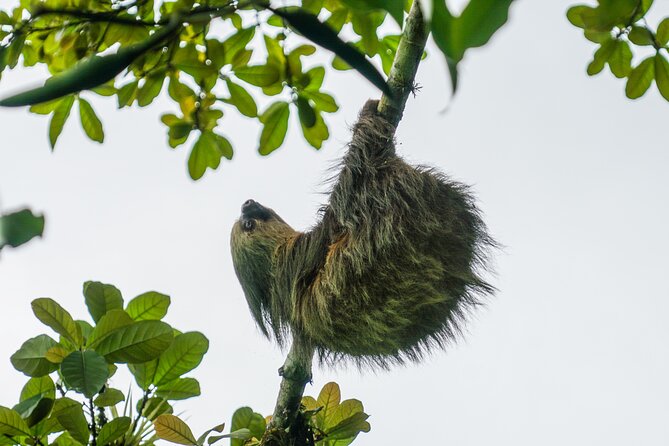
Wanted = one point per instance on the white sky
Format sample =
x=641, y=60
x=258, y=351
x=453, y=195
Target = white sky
x=572, y=178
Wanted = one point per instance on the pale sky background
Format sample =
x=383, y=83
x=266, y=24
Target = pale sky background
x=572, y=178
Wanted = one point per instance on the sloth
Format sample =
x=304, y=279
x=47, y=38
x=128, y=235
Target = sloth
x=390, y=271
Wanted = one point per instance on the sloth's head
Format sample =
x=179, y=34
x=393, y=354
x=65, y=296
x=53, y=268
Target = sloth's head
x=254, y=241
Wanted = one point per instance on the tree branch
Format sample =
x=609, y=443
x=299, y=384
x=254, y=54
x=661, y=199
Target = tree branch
x=404, y=68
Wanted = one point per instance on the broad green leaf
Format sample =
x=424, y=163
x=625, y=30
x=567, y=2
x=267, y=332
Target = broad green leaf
x=100, y=298
x=127, y=94
x=602, y=56
x=148, y=306
x=136, y=343
x=321, y=34
x=50, y=313
x=640, y=35
x=341, y=412
x=144, y=373
x=258, y=75
x=275, y=120
x=185, y=353
x=89, y=74
x=11, y=423
x=57, y=353
x=662, y=75
x=662, y=34
x=328, y=398
x=30, y=358
x=49, y=425
x=20, y=227
x=241, y=99
x=349, y=427
x=25, y=408
x=640, y=78
x=316, y=134
x=151, y=89
x=574, y=15
x=171, y=428
x=42, y=386
x=40, y=411
x=58, y=119
x=110, y=397
x=207, y=153
x=85, y=327
x=113, y=430
x=90, y=121
x=305, y=112
x=179, y=389
x=237, y=43
x=620, y=61
x=323, y=101
x=86, y=372
x=245, y=418
x=70, y=414
x=108, y=323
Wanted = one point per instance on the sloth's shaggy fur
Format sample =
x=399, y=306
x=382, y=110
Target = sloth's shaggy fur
x=388, y=273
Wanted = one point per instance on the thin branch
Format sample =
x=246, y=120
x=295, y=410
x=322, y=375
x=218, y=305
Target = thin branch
x=403, y=72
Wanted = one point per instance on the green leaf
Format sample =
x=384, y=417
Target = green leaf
x=662, y=34
x=305, y=112
x=58, y=119
x=185, y=353
x=113, y=430
x=575, y=15
x=42, y=386
x=620, y=61
x=110, y=397
x=245, y=418
x=640, y=78
x=662, y=75
x=90, y=121
x=127, y=94
x=316, y=134
x=171, y=428
x=19, y=228
x=241, y=99
x=322, y=101
x=108, y=323
x=602, y=56
x=86, y=372
x=328, y=398
x=148, y=306
x=136, y=343
x=30, y=359
x=275, y=120
x=70, y=414
x=640, y=35
x=207, y=153
x=258, y=75
x=144, y=373
x=50, y=313
x=151, y=89
x=40, y=411
x=179, y=389
x=89, y=74
x=11, y=423
x=349, y=427
x=101, y=298
x=321, y=34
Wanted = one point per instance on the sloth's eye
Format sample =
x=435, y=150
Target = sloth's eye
x=248, y=225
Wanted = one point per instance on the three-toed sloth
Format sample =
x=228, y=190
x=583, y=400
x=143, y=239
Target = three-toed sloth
x=387, y=274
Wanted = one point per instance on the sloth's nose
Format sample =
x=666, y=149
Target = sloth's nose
x=247, y=204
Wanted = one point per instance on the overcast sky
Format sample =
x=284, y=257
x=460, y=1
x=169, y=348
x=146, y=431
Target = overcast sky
x=572, y=178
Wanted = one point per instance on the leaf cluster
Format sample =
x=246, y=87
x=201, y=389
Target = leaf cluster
x=68, y=401
x=618, y=27
x=327, y=421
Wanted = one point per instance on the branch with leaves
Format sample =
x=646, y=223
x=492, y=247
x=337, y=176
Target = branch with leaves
x=130, y=51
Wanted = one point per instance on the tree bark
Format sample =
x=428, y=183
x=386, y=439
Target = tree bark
x=296, y=371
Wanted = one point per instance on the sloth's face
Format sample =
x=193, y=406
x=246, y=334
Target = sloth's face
x=254, y=213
